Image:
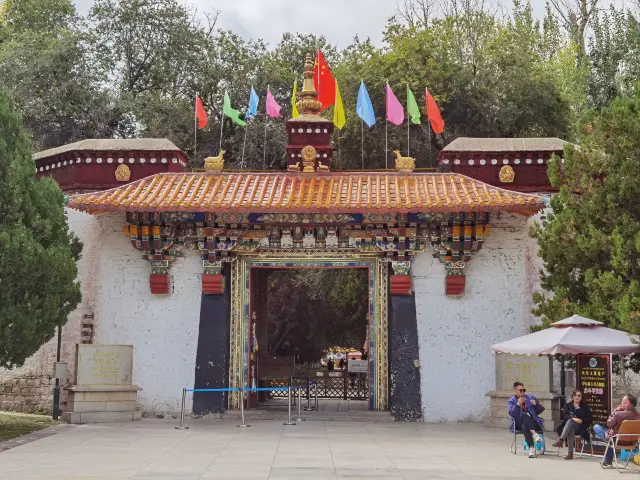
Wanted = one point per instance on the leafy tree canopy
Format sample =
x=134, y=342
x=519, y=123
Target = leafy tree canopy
x=590, y=243
x=38, y=254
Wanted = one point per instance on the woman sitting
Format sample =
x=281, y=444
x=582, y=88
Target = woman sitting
x=577, y=418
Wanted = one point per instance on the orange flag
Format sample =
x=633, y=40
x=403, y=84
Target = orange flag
x=324, y=82
x=433, y=114
x=201, y=115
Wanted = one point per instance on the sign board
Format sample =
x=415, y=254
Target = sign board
x=276, y=367
x=104, y=364
x=534, y=371
x=593, y=374
x=358, y=366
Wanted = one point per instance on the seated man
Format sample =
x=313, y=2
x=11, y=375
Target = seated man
x=625, y=411
x=524, y=409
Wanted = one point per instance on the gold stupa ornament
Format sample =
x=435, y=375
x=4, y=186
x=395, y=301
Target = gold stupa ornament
x=307, y=103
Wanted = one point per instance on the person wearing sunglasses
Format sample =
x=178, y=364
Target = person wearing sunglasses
x=577, y=418
x=524, y=410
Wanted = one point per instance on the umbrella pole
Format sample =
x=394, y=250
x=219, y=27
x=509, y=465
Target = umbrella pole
x=562, y=377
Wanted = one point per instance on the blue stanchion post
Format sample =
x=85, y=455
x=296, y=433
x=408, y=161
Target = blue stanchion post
x=289, y=422
x=242, y=425
x=184, y=396
x=299, y=404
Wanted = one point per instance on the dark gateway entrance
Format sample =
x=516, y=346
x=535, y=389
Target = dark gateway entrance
x=309, y=323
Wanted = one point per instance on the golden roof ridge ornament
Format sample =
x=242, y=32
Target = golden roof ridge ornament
x=307, y=103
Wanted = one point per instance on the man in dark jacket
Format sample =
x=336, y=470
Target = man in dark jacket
x=524, y=409
x=625, y=411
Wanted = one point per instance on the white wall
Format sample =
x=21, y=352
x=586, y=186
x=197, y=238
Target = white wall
x=162, y=328
x=455, y=333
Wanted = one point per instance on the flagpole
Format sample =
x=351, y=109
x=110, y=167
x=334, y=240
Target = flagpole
x=243, y=145
x=362, y=141
x=408, y=127
x=195, y=130
x=426, y=101
x=386, y=125
x=264, y=145
x=386, y=145
x=221, y=127
x=339, y=157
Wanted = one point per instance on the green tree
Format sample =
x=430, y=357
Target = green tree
x=310, y=311
x=47, y=62
x=590, y=243
x=38, y=254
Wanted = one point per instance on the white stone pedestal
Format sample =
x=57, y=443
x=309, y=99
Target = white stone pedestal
x=102, y=403
x=500, y=411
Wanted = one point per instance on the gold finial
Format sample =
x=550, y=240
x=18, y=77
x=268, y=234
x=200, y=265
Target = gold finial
x=404, y=164
x=308, y=105
x=214, y=164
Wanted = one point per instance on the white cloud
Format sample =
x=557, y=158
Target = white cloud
x=338, y=20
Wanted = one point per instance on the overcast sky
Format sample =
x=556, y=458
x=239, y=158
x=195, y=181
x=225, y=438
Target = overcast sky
x=338, y=20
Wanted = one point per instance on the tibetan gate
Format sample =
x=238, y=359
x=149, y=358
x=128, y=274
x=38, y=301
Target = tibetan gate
x=308, y=216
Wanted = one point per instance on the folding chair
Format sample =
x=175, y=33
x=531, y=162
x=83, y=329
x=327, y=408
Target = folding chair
x=581, y=441
x=514, y=445
x=626, y=439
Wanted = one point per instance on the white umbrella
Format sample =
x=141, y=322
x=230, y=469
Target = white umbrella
x=572, y=336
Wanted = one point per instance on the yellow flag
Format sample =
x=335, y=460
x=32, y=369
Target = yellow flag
x=294, y=109
x=338, y=110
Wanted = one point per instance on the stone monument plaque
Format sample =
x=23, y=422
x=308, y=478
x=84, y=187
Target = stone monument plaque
x=532, y=370
x=104, y=364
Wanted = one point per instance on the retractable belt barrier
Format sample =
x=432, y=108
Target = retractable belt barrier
x=242, y=391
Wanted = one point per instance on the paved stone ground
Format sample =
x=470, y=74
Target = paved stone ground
x=153, y=449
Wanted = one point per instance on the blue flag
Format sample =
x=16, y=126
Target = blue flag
x=364, y=109
x=253, y=104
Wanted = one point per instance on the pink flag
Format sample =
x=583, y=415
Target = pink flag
x=273, y=109
x=395, y=112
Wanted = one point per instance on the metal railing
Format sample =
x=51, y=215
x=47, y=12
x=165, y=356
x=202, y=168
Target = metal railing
x=289, y=388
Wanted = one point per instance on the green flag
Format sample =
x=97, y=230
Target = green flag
x=230, y=112
x=412, y=107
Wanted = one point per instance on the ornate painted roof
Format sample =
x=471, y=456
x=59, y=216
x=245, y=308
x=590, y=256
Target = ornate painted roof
x=542, y=144
x=111, y=144
x=283, y=192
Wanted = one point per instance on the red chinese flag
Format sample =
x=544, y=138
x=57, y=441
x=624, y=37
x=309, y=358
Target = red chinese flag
x=324, y=82
x=201, y=115
x=433, y=114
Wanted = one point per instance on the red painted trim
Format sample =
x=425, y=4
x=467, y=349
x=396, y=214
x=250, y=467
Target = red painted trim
x=159, y=284
x=454, y=284
x=400, y=284
x=212, y=284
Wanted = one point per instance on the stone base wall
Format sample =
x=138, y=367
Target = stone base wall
x=27, y=394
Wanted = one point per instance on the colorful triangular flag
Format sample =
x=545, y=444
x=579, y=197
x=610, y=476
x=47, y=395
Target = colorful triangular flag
x=364, y=108
x=230, y=112
x=273, y=109
x=395, y=112
x=433, y=114
x=294, y=99
x=338, y=110
x=201, y=114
